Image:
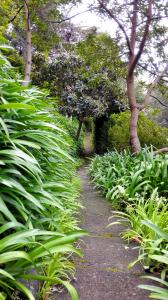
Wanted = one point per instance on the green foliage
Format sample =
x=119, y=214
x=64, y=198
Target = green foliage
x=123, y=177
x=85, y=79
x=64, y=78
x=149, y=132
x=138, y=185
x=161, y=260
x=15, y=59
x=81, y=85
x=101, y=54
x=157, y=291
x=43, y=14
x=71, y=125
x=137, y=217
x=37, y=190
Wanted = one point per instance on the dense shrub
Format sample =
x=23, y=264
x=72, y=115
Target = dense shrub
x=150, y=133
x=38, y=190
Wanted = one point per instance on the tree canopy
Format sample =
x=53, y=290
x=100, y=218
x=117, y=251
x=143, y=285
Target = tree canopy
x=86, y=81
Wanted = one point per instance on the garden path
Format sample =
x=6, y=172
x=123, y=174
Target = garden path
x=103, y=274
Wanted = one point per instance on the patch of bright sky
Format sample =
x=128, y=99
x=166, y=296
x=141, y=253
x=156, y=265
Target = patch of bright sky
x=90, y=19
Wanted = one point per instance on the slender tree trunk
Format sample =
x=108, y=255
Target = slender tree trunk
x=136, y=50
x=134, y=139
x=79, y=129
x=28, y=50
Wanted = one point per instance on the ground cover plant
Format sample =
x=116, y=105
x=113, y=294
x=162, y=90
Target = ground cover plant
x=38, y=191
x=137, y=189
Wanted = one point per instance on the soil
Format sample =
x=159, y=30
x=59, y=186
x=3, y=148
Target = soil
x=103, y=274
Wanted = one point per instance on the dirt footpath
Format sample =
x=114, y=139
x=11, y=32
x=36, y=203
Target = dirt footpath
x=103, y=274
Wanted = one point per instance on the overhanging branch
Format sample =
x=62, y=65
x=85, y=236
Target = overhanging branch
x=17, y=13
x=159, y=101
x=151, y=72
x=110, y=14
x=155, y=82
x=68, y=18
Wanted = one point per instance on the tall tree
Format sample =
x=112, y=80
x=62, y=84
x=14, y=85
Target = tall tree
x=141, y=24
x=34, y=26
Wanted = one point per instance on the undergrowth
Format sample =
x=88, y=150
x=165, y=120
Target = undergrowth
x=38, y=191
x=137, y=187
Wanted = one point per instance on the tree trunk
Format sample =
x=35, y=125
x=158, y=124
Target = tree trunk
x=79, y=129
x=134, y=139
x=28, y=50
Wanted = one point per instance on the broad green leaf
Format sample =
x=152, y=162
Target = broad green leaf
x=72, y=291
x=160, y=258
x=2, y=296
x=6, y=274
x=18, y=285
x=16, y=106
x=57, y=242
x=13, y=255
x=4, y=209
x=10, y=225
x=156, y=229
x=163, y=292
x=68, y=286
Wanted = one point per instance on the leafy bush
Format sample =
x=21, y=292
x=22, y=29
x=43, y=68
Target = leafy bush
x=37, y=190
x=138, y=185
x=161, y=260
x=155, y=211
x=122, y=177
x=149, y=132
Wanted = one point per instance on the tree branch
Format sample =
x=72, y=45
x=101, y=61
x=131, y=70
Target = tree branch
x=28, y=15
x=152, y=86
x=17, y=13
x=68, y=18
x=153, y=19
x=159, y=101
x=144, y=38
x=110, y=14
x=134, y=26
x=151, y=72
